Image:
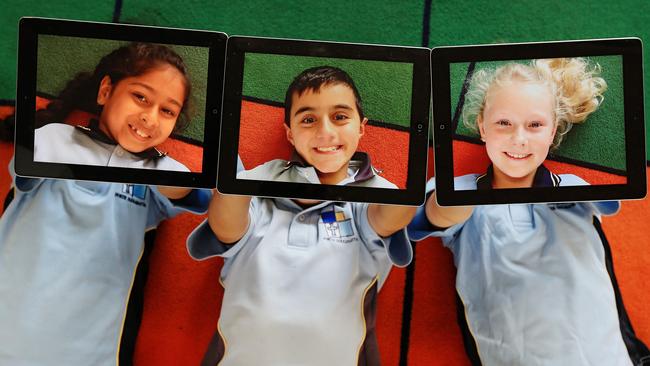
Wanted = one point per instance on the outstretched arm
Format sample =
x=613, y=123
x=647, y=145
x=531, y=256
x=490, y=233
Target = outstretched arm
x=446, y=216
x=387, y=219
x=228, y=216
x=174, y=193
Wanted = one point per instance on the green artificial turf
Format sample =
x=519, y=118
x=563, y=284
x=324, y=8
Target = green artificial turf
x=380, y=21
x=385, y=87
x=13, y=10
x=457, y=76
x=61, y=58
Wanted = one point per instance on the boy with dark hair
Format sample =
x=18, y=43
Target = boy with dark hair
x=324, y=122
x=300, y=276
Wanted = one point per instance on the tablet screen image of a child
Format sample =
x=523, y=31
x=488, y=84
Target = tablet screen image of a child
x=523, y=111
x=140, y=93
x=324, y=122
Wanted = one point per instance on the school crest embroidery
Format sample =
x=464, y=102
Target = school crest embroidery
x=336, y=224
x=136, y=191
x=136, y=194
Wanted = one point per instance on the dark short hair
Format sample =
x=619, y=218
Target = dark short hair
x=313, y=79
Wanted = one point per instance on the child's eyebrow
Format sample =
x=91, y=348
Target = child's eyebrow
x=309, y=109
x=170, y=100
x=343, y=106
x=303, y=109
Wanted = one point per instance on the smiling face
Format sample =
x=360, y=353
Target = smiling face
x=140, y=112
x=325, y=128
x=518, y=126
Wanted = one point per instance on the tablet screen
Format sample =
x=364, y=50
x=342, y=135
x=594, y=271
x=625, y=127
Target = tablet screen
x=118, y=105
x=542, y=124
x=333, y=123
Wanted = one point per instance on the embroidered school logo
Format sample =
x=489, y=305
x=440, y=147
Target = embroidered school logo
x=133, y=193
x=336, y=224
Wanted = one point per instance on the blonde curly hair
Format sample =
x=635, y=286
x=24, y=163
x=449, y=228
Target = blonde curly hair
x=576, y=87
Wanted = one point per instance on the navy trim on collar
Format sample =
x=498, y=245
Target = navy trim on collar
x=360, y=160
x=543, y=178
x=94, y=132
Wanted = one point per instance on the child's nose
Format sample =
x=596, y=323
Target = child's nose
x=520, y=137
x=148, y=119
x=326, y=129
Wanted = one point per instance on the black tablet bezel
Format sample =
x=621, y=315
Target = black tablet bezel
x=631, y=51
x=29, y=30
x=237, y=48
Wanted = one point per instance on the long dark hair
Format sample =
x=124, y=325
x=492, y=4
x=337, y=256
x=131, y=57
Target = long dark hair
x=131, y=60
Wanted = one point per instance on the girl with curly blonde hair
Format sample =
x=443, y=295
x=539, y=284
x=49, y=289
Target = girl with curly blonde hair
x=532, y=279
x=521, y=111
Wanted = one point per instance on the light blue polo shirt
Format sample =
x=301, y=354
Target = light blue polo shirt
x=63, y=143
x=300, y=285
x=68, y=254
x=533, y=281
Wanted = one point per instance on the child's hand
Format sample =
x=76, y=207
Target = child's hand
x=387, y=219
x=228, y=216
x=444, y=217
x=174, y=193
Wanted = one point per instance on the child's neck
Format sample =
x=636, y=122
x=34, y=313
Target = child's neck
x=334, y=177
x=501, y=180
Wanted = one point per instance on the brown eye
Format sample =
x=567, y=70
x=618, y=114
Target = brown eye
x=536, y=124
x=340, y=117
x=168, y=112
x=503, y=122
x=308, y=120
x=139, y=97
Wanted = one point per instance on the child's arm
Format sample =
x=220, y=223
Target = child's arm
x=228, y=216
x=387, y=219
x=444, y=217
x=174, y=193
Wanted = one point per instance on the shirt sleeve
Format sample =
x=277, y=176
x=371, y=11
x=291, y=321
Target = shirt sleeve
x=397, y=246
x=606, y=207
x=23, y=184
x=203, y=243
x=420, y=228
x=600, y=208
x=196, y=202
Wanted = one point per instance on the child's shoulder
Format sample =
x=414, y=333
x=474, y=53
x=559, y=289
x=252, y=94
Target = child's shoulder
x=466, y=182
x=571, y=180
x=264, y=171
x=168, y=163
x=52, y=129
x=376, y=181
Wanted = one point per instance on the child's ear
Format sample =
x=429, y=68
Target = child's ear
x=362, y=126
x=289, y=134
x=105, y=87
x=481, y=128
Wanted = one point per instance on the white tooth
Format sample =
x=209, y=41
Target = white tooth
x=141, y=134
x=517, y=156
x=325, y=149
